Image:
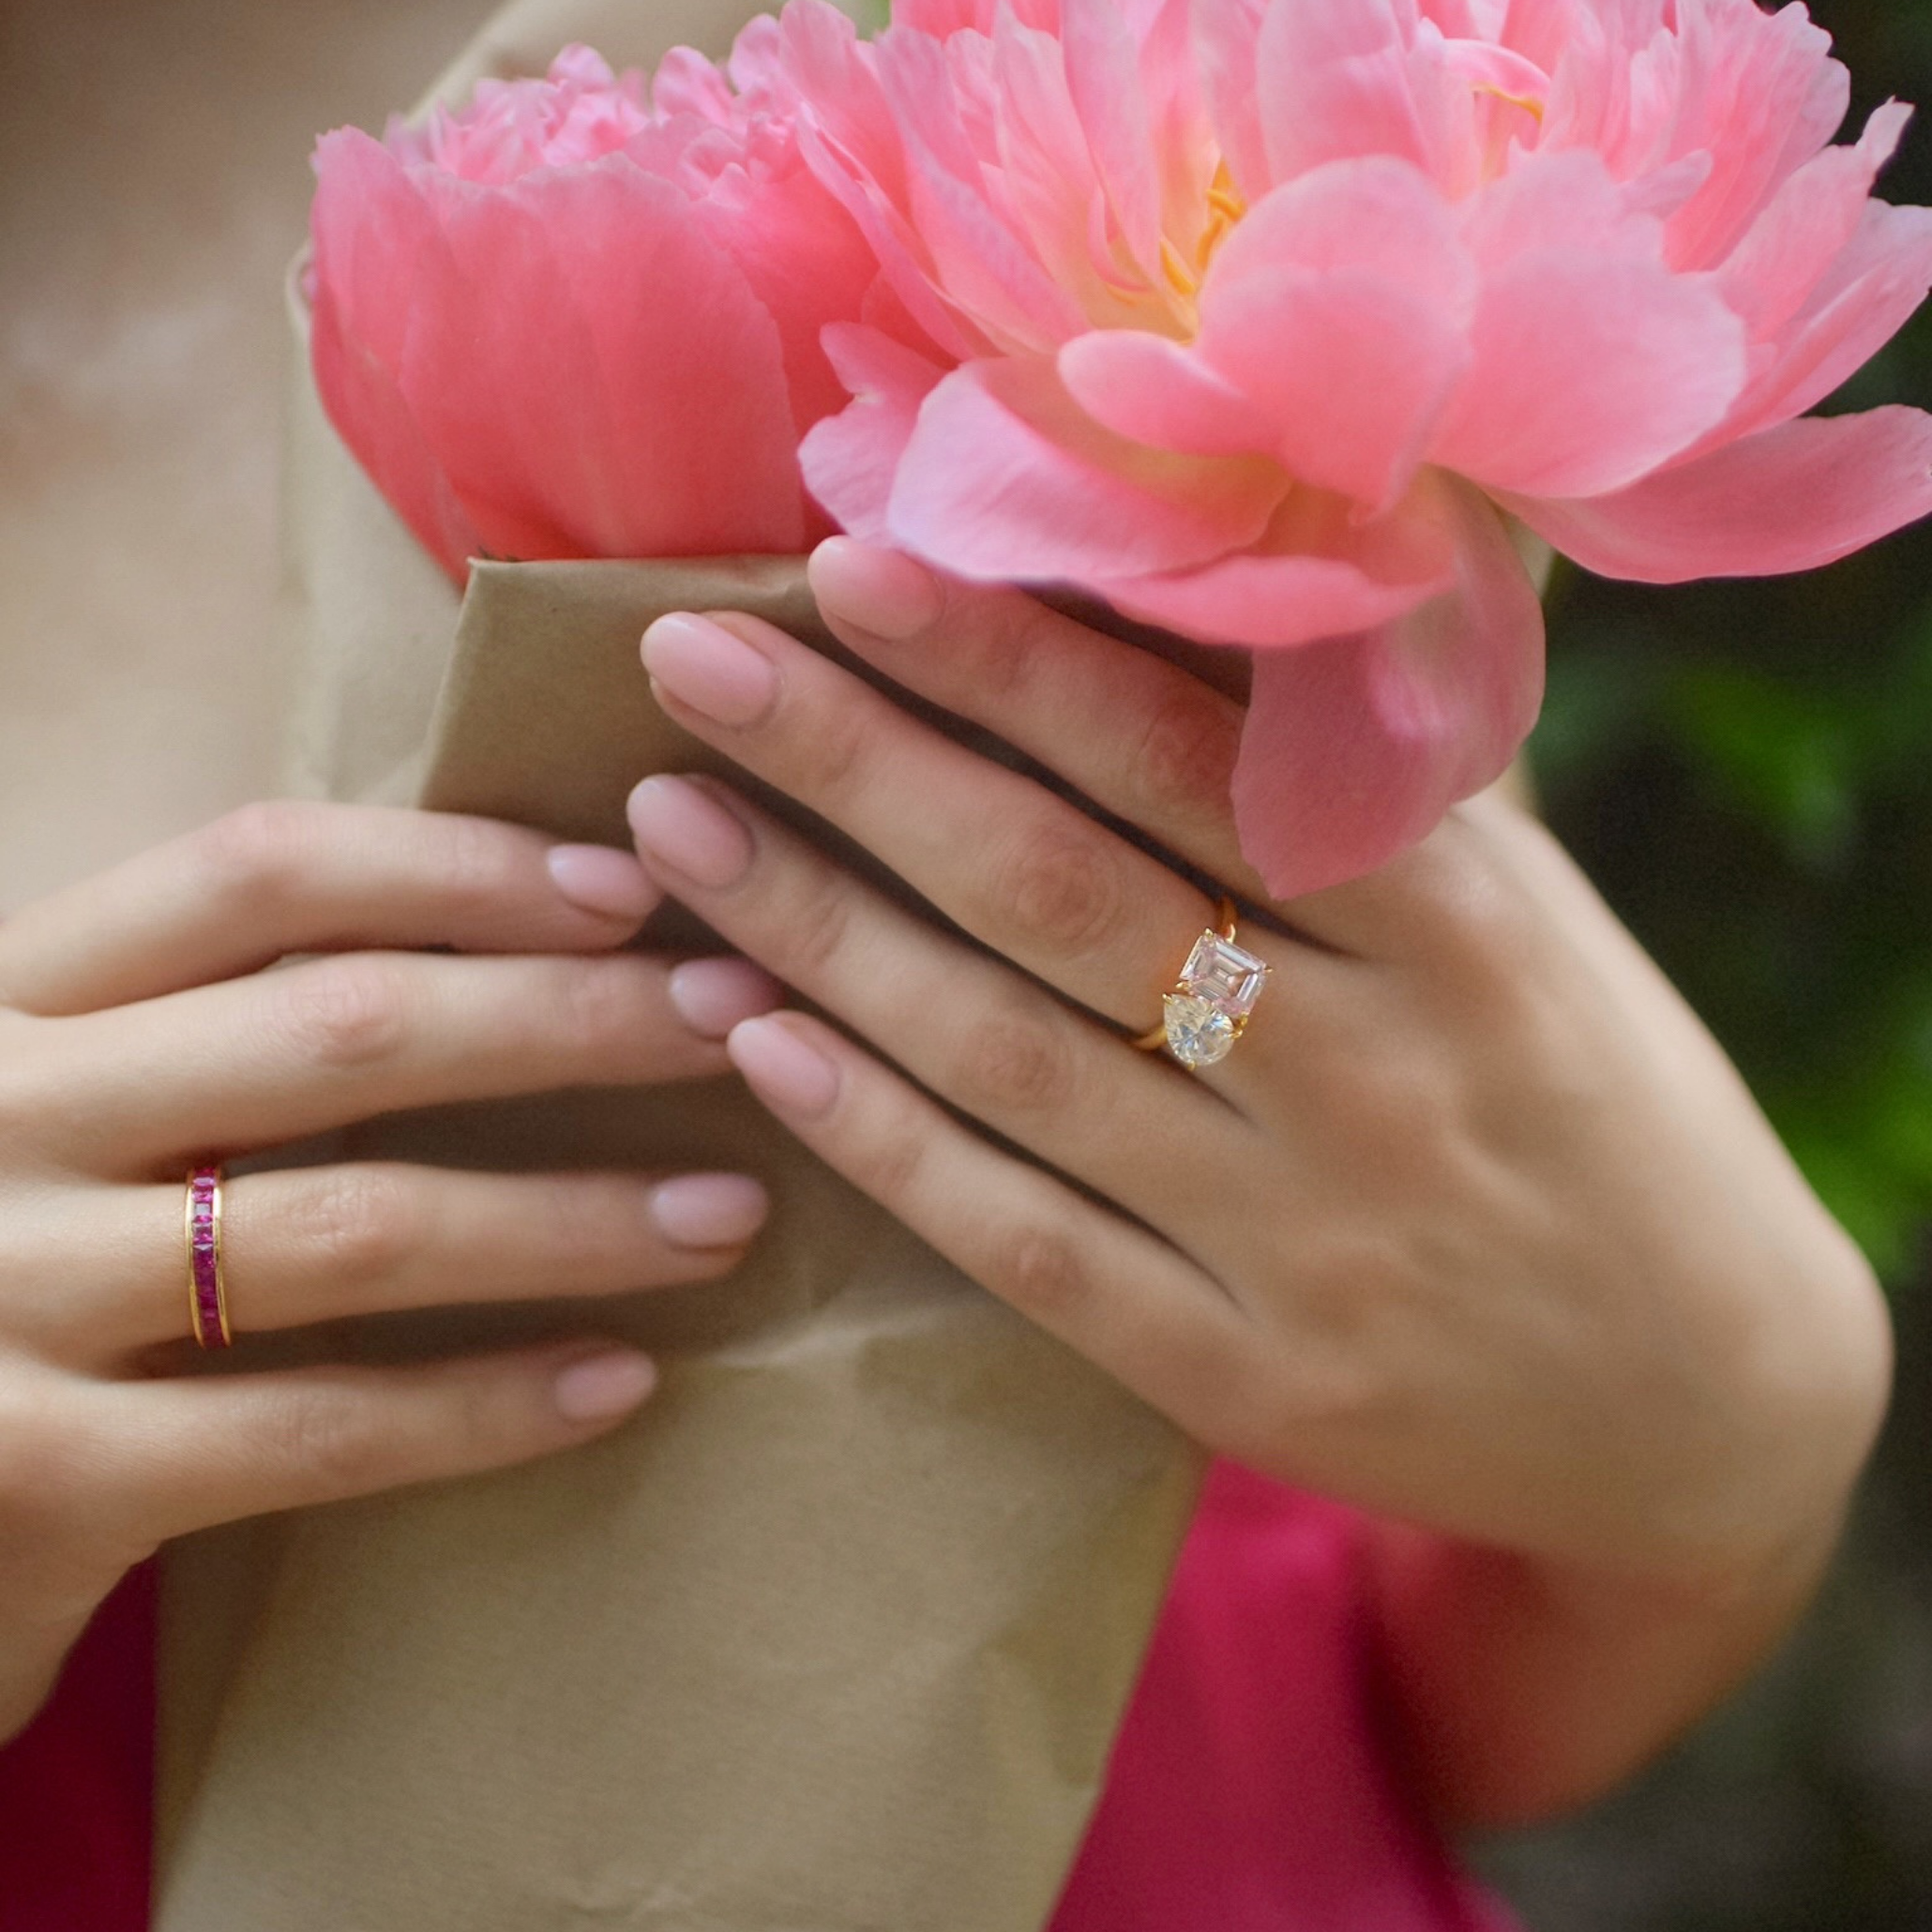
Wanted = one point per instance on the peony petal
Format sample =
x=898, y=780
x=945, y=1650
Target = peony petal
x=850, y=459
x=1787, y=499
x=1870, y=293
x=1153, y=389
x=1376, y=214
x=1007, y=477
x=1348, y=372
x=1762, y=96
x=1273, y=602
x=372, y=238
x=1225, y=34
x=1317, y=573
x=1047, y=179
x=804, y=259
x=1103, y=73
x=578, y=414
x=1333, y=82
x=1356, y=747
x=1593, y=363
x=1771, y=273
x=984, y=265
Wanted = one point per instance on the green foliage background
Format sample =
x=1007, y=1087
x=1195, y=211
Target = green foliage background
x=1746, y=769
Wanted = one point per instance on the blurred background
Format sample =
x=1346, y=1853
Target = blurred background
x=1746, y=770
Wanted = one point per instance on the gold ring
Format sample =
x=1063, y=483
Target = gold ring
x=207, y=1287
x=1209, y=1007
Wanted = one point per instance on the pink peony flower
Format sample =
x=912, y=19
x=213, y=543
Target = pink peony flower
x=575, y=321
x=1256, y=316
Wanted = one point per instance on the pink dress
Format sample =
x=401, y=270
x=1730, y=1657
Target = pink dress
x=1251, y=1789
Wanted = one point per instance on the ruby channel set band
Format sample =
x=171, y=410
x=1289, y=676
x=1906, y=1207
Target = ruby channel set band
x=1211, y=1003
x=207, y=1291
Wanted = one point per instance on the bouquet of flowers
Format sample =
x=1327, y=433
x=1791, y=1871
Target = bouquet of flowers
x=1289, y=329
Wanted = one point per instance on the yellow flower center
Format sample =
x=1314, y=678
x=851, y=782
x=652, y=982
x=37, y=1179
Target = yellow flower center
x=1529, y=103
x=1225, y=208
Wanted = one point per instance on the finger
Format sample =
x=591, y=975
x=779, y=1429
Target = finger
x=1159, y=752
x=290, y=877
x=1142, y=737
x=318, y=1244
x=191, y=1453
x=967, y=1027
x=138, y=1091
x=1033, y=877
x=1112, y=1291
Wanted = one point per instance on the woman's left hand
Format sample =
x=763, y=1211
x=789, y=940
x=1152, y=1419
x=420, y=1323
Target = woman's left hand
x=1475, y=1228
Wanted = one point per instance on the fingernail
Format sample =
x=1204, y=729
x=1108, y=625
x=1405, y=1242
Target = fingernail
x=683, y=827
x=782, y=1068
x=879, y=591
x=603, y=1385
x=709, y=1210
x=712, y=996
x=597, y=880
x=707, y=667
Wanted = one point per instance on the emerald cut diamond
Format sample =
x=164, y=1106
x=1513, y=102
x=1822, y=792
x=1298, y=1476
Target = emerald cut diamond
x=1227, y=974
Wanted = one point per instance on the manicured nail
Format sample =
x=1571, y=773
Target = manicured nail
x=604, y=1385
x=688, y=830
x=712, y=996
x=782, y=1068
x=878, y=591
x=597, y=880
x=707, y=667
x=709, y=1210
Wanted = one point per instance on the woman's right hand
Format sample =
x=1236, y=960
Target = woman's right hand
x=139, y=1035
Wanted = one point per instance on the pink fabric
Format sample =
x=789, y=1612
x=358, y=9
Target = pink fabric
x=1250, y=1791
x=76, y=1801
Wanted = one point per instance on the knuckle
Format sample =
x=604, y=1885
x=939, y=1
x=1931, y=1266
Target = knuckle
x=258, y=852
x=1041, y=1271
x=471, y=860
x=346, y=1013
x=39, y=1466
x=888, y=1167
x=364, y=1222
x=1185, y=763
x=594, y=1006
x=29, y=1080
x=333, y=1447
x=1060, y=888
x=1483, y=920
x=816, y=925
x=582, y=1226
x=1016, y=1062
x=833, y=748
x=1006, y=631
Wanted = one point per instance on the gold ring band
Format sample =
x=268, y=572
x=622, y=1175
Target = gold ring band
x=1213, y=1001
x=207, y=1290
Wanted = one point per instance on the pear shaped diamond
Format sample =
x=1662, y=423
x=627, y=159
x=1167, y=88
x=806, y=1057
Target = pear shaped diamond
x=1199, y=1033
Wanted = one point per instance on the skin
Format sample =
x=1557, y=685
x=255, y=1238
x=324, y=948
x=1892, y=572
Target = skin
x=1476, y=1229
x=137, y=1032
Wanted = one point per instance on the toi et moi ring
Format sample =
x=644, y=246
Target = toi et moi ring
x=207, y=1292
x=1209, y=1007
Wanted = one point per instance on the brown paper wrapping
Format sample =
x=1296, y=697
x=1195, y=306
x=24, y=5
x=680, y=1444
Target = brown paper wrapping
x=836, y=1634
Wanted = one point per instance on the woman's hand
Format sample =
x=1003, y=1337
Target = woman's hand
x=137, y=1036
x=1475, y=1228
